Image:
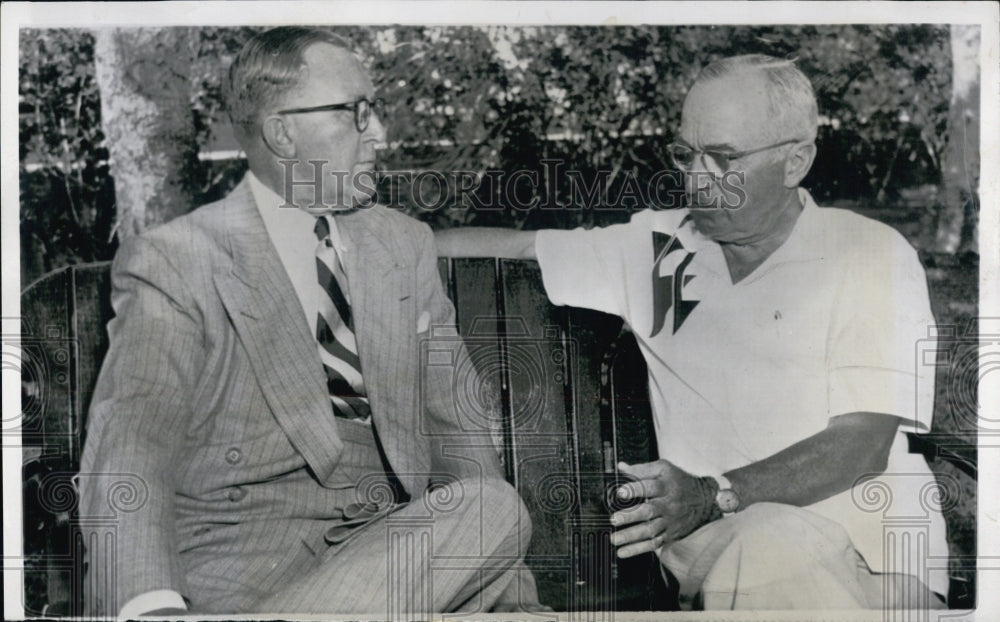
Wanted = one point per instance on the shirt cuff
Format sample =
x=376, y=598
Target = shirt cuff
x=151, y=601
x=884, y=391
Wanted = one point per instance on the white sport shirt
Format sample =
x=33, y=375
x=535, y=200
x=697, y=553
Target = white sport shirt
x=835, y=321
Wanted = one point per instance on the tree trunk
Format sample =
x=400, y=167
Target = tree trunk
x=143, y=78
x=958, y=216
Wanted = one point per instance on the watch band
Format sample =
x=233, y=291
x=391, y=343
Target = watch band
x=726, y=498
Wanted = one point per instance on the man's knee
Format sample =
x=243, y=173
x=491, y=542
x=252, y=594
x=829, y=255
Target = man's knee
x=502, y=511
x=769, y=555
x=771, y=528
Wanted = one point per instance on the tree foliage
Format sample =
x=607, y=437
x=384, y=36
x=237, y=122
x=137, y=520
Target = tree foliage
x=64, y=190
x=598, y=99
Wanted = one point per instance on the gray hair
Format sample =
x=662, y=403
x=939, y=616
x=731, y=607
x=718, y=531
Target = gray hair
x=268, y=67
x=791, y=99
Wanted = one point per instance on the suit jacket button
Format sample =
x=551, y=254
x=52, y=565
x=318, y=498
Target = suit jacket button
x=236, y=494
x=233, y=455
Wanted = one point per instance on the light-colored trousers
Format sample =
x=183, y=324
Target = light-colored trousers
x=456, y=548
x=776, y=556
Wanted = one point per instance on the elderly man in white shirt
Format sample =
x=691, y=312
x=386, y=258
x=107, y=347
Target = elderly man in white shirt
x=781, y=341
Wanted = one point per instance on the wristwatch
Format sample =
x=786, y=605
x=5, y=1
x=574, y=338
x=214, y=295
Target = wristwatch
x=726, y=499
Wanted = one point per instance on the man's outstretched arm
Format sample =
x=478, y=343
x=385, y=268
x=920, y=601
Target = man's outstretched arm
x=486, y=242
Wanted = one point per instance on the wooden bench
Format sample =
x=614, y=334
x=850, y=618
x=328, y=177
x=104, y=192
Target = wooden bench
x=569, y=384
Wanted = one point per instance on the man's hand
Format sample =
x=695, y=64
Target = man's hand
x=676, y=503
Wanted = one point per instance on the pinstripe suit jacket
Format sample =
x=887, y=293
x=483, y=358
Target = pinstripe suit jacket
x=211, y=434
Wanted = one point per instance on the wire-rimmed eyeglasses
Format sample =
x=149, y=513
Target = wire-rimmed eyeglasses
x=683, y=156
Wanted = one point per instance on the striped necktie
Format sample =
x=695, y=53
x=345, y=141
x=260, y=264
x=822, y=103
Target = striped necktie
x=338, y=349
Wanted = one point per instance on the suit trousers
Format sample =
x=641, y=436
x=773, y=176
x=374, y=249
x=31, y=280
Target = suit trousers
x=776, y=556
x=457, y=547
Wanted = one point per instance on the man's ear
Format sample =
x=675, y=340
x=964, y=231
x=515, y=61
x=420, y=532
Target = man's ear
x=798, y=163
x=274, y=133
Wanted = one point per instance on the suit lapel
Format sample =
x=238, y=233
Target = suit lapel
x=381, y=295
x=264, y=309
x=383, y=304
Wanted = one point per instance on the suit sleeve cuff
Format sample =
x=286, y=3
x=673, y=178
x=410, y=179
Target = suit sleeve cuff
x=151, y=601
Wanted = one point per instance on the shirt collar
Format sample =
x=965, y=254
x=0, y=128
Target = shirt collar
x=806, y=241
x=277, y=218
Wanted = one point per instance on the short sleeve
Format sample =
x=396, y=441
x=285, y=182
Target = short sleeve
x=584, y=268
x=880, y=349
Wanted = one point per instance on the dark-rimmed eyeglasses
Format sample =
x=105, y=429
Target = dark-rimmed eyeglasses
x=362, y=108
x=683, y=156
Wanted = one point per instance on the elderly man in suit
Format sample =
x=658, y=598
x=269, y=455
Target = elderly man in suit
x=264, y=394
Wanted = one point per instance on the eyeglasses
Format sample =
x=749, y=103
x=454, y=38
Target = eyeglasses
x=683, y=156
x=362, y=108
